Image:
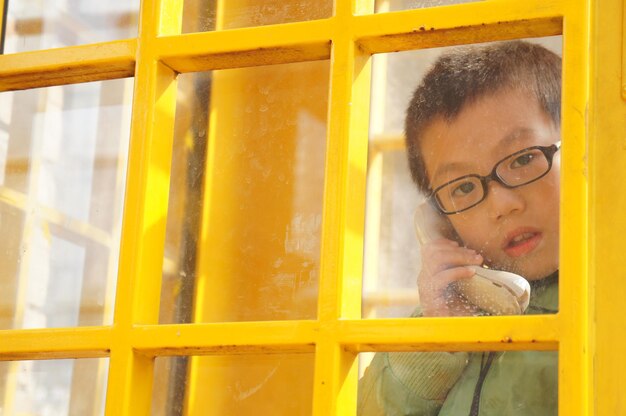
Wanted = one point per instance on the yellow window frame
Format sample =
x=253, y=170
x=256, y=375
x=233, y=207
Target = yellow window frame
x=587, y=331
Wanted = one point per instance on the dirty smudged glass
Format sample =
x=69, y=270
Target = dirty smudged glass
x=267, y=384
x=459, y=151
x=62, y=176
x=392, y=251
x=452, y=383
x=383, y=6
x=37, y=24
x=53, y=387
x=244, y=220
x=208, y=15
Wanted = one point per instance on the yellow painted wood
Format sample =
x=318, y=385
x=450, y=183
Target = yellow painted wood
x=623, y=48
x=55, y=343
x=336, y=372
x=129, y=388
x=445, y=334
x=575, y=317
x=377, y=33
x=540, y=332
x=170, y=19
x=607, y=224
x=459, y=24
x=363, y=6
x=264, y=45
x=96, y=62
x=145, y=216
x=335, y=381
x=226, y=338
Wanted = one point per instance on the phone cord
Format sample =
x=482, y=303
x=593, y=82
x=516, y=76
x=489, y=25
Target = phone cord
x=484, y=368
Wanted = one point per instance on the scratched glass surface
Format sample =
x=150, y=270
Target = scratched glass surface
x=242, y=384
x=62, y=176
x=53, y=387
x=208, y=15
x=244, y=220
x=45, y=24
x=383, y=6
x=392, y=259
x=453, y=383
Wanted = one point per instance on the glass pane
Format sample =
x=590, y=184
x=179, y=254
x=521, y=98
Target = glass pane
x=37, y=24
x=53, y=387
x=243, y=239
x=396, y=5
x=274, y=384
x=62, y=176
x=207, y=15
x=449, y=106
x=458, y=383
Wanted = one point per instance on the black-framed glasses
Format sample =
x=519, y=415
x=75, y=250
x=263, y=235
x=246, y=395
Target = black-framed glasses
x=515, y=170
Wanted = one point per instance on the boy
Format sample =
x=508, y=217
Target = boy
x=483, y=140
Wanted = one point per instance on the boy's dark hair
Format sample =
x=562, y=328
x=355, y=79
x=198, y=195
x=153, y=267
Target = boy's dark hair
x=468, y=73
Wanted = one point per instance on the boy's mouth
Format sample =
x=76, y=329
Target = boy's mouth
x=521, y=241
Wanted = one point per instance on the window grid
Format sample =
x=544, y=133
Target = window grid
x=338, y=335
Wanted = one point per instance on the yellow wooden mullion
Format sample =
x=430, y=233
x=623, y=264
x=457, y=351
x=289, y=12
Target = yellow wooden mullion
x=55, y=343
x=343, y=216
x=538, y=332
x=264, y=45
x=461, y=15
x=574, y=316
x=95, y=62
x=607, y=223
x=145, y=215
x=459, y=24
x=309, y=40
x=616, y=6
x=239, y=337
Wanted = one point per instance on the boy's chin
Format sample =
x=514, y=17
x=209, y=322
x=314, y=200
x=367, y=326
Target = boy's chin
x=538, y=273
x=529, y=269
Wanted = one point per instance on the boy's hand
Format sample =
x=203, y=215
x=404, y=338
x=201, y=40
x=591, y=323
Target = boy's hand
x=445, y=262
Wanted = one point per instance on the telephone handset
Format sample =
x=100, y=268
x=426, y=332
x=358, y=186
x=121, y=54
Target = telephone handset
x=494, y=291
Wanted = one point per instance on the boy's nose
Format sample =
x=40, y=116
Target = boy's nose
x=504, y=201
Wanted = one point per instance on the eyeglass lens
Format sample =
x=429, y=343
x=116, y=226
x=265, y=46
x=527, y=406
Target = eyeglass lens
x=516, y=170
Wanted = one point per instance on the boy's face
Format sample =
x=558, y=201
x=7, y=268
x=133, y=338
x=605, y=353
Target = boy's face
x=514, y=229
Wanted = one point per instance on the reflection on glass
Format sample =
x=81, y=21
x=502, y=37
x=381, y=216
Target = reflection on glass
x=462, y=124
x=207, y=15
x=274, y=384
x=53, y=387
x=396, y=5
x=63, y=160
x=459, y=383
x=36, y=24
x=244, y=222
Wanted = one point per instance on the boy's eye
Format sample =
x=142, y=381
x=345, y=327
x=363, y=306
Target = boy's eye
x=463, y=189
x=522, y=160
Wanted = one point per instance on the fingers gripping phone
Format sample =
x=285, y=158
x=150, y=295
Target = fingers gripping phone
x=494, y=291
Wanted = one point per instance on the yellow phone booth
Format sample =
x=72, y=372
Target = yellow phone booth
x=207, y=209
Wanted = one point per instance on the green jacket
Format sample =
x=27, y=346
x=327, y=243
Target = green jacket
x=514, y=383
